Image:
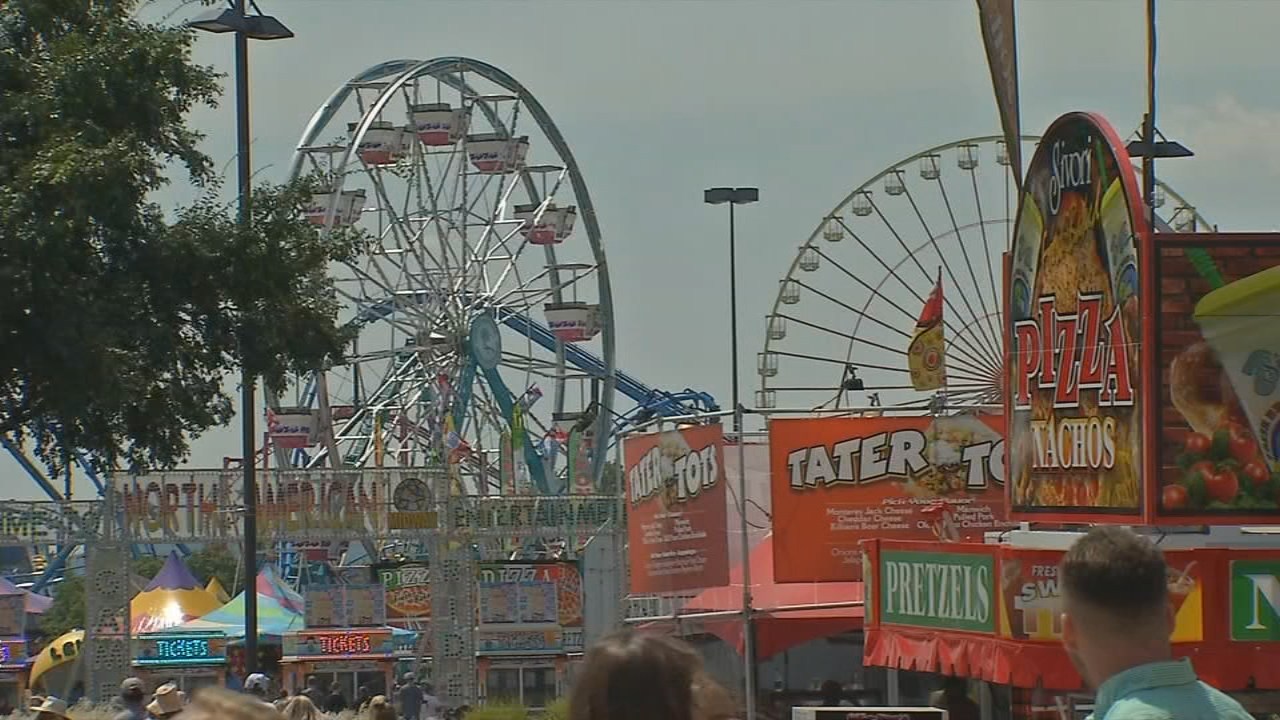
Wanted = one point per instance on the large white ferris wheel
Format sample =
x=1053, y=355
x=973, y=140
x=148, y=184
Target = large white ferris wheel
x=482, y=302
x=842, y=319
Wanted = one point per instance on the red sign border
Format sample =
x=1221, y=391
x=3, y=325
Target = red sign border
x=1146, y=293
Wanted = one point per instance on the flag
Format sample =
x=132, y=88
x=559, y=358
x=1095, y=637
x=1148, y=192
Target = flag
x=1000, y=39
x=926, y=355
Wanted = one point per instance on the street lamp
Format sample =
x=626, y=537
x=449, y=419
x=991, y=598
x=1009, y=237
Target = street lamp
x=739, y=196
x=259, y=27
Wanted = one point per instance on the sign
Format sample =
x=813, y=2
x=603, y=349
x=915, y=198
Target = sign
x=951, y=590
x=522, y=642
x=510, y=516
x=1075, y=416
x=530, y=593
x=299, y=504
x=1255, y=600
x=181, y=650
x=1030, y=595
x=13, y=652
x=339, y=644
x=1219, y=364
x=868, y=713
x=676, y=509
x=37, y=523
x=346, y=606
x=838, y=481
x=999, y=37
x=408, y=591
x=291, y=428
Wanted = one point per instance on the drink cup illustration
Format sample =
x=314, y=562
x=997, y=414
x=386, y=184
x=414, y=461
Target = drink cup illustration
x=1239, y=322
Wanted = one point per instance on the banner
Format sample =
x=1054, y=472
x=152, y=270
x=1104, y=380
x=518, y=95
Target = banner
x=1000, y=38
x=1075, y=433
x=1255, y=600
x=837, y=481
x=677, y=517
x=952, y=590
x=1219, y=363
x=291, y=428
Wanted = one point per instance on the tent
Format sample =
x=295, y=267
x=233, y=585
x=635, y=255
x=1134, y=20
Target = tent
x=218, y=591
x=784, y=614
x=274, y=620
x=173, y=597
x=35, y=604
x=271, y=585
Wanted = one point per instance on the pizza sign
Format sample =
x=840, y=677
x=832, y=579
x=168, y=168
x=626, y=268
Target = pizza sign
x=1074, y=425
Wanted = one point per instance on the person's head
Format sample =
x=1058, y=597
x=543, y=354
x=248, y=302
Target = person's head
x=335, y=687
x=380, y=709
x=631, y=676
x=217, y=704
x=314, y=682
x=133, y=691
x=257, y=684
x=409, y=679
x=831, y=692
x=1115, y=602
x=300, y=707
x=51, y=708
x=168, y=701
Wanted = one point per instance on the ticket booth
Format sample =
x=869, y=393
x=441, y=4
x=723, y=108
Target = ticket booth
x=191, y=661
x=350, y=657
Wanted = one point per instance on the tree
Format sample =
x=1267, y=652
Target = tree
x=215, y=561
x=119, y=327
x=67, y=611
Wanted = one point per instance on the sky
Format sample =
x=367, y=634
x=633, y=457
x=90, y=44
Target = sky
x=805, y=99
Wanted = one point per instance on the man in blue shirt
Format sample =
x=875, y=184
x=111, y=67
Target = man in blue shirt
x=1116, y=624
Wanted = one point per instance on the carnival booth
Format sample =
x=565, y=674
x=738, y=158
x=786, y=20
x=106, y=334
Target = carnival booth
x=346, y=641
x=20, y=610
x=210, y=650
x=1140, y=389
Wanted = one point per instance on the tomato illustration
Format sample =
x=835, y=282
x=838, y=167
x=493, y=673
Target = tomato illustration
x=1223, y=486
x=1243, y=447
x=1257, y=472
x=1198, y=443
x=1174, y=497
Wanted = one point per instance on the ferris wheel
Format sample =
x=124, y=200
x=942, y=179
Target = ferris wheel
x=482, y=302
x=838, y=333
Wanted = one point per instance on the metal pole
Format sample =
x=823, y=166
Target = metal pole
x=1149, y=126
x=748, y=637
x=248, y=434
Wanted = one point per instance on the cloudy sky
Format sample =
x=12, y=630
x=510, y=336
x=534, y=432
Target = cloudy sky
x=805, y=99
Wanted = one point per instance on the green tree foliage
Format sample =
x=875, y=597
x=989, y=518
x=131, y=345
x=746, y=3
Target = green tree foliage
x=67, y=611
x=148, y=567
x=217, y=561
x=120, y=326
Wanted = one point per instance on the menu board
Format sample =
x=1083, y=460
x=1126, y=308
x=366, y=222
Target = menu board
x=13, y=615
x=346, y=606
x=531, y=602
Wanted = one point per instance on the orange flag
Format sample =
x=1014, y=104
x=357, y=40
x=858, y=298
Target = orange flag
x=926, y=355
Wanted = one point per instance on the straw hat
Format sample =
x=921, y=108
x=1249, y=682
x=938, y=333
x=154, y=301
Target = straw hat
x=53, y=706
x=168, y=700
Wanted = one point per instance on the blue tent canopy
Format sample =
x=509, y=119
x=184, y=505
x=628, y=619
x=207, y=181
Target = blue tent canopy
x=274, y=620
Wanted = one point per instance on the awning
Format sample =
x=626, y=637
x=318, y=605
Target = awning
x=784, y=614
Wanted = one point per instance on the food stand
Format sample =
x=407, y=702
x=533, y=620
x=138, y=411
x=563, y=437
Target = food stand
x=530, y=617
x=1140, y=390
x=346, y=640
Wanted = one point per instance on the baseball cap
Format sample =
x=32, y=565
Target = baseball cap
x=132, y=684
x=257, y=681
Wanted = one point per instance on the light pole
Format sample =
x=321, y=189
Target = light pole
x=739, y=196
x=259, y=27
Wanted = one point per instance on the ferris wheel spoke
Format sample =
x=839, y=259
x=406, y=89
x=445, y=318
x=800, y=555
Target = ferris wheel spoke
x=964, y=251
x=845, y=336
x=892, y=271
x=989, y=350
x=986, y=246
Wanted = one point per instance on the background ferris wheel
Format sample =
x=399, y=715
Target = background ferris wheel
x=482, y=301
x=838, y=332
